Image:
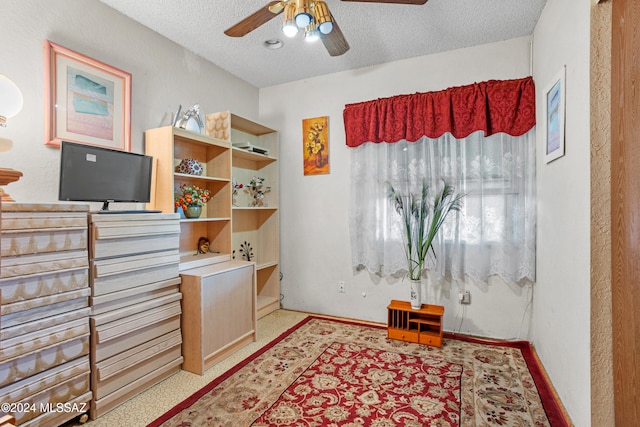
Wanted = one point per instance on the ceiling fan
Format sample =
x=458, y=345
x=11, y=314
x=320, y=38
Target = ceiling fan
x=312, y=16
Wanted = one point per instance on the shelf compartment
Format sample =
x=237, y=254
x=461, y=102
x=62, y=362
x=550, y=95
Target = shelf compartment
x=244, y=176
x=398, y=319
x=168, y=146
x=220, y=192
x=213, y=156
x=250, y=160
x=258, y=227
x=268, y=289
x=426, y=321
x=216, y=230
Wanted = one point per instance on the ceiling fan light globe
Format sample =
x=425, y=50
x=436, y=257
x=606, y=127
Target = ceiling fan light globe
x=325, y=27
x=303, y=19
x=311, y=36
x=10, y=98
x=322, y=17
x=290, y=30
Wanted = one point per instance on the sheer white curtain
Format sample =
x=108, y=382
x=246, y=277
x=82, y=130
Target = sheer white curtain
x=494, y=234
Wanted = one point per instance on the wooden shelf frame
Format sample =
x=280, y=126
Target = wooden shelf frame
x=260, y=226
x=169, y=146
x=224, y=225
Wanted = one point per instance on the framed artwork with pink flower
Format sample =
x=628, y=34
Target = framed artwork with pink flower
x=315, y=145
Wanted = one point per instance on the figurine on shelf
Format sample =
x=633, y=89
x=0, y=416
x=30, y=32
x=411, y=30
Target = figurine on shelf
x=191, y=120
x=256, y=192
x=234, y=194
x=246, y=250
x=203, y=245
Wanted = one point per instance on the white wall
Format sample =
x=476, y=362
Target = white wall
x=561, y=330
x=163, y=76
x=315, y=248
x=315, y=240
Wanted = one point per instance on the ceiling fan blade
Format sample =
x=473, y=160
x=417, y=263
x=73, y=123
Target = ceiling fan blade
x=335, y=42
x=253, y=21
x=416, y=2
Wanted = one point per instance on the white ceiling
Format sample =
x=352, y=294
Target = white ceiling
x=377, y=33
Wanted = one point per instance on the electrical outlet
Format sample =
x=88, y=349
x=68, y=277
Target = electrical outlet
x=342, y=286
x=464, y=297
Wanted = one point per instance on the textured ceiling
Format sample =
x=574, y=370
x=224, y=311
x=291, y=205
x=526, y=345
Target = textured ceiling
x=377, y=33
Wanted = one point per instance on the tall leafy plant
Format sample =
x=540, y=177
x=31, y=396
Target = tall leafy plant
x=421, y=221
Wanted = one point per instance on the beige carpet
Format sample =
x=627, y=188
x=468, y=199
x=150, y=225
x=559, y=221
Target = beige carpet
x=148, y=406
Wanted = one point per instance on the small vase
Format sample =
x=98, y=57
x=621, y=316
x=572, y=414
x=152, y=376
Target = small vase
x=193, y=211
x=416, y=294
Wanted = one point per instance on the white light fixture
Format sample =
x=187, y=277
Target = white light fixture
x=10, y=105
x=313, y=16
x=273, y=44
x=10, y=99
x=303, y=13
x=311, y=33
x=289, y=27
x=322, y=17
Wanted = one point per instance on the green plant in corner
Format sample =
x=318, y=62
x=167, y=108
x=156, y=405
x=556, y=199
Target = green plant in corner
x=422, y=220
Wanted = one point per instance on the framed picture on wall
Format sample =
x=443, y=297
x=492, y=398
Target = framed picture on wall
x=86, y=101
x=315, y=145
x=554, y=109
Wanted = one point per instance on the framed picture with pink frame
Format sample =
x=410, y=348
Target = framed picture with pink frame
x=86, y=101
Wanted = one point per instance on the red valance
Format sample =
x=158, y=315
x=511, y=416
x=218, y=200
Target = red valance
x=493, y=106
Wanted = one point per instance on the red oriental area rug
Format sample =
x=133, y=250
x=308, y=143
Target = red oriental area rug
x=326, y=372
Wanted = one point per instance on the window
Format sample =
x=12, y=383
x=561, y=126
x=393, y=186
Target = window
x=494, y=233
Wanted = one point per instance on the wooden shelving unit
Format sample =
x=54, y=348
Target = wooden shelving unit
x=259, y=226
x=170, y=145
x=225, y=224
x=423, y=326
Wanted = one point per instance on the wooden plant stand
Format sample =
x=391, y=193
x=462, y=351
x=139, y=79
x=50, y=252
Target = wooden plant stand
x=422, y=326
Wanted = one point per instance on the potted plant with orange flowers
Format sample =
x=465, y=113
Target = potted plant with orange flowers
x=191, y=199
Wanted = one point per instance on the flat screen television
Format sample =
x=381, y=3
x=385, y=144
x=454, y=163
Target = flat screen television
x=95, y=174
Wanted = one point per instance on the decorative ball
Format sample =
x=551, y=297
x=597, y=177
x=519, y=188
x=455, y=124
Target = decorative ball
x=190, y=166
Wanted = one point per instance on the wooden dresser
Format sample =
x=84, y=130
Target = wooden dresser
x=44, y=336
x=135, y=304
